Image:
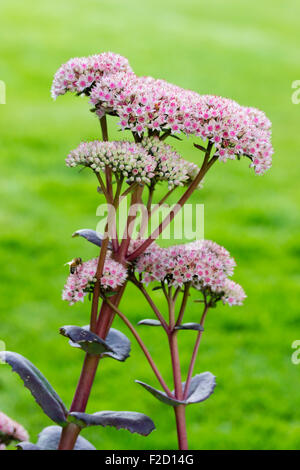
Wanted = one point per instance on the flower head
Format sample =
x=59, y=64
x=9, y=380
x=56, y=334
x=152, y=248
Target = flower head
x=146, y=104
x=80, y=74
x=204, y=264
x=126, y=159
x=10, y=430
x=233, y=293
x=82, y=282
x=234, y=130
x=171, y=167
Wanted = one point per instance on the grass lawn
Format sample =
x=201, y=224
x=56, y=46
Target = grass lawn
x=246, y=51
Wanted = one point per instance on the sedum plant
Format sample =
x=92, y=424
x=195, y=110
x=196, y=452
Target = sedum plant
x=153, y=111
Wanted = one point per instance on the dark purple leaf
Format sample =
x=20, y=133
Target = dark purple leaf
x=86, y=340
x=27, y=446
x=160, y=395
x=201, y=387
x=190, y=326
x=117, y=343
x=49, y=440
x=38, y=385
x=149, y=322
x=92, y=236
x=133, y=422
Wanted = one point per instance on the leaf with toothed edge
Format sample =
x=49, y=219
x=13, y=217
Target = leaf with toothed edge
x=190, y=326
x=117, y=344
x=201, y=387
x=149, y=322
x=38, y=385
x=49, y=439
x=92, y=236
x=132, y=421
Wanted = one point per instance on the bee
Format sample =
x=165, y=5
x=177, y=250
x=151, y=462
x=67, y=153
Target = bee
x=73, y=264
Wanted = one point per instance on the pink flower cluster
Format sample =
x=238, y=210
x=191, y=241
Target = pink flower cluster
x=78, y=75
x=170, y=166
x=233, y=293
x=80, y=283
x=145, y=104
x=126, y=159
x=205, y=264
x=10, y=430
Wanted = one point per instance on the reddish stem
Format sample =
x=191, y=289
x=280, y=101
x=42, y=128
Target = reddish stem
x=135, y=198
x=181, y=427
x=168, y=219
x=195, y=352
x=143, y=347
x=152, y=305
x=183, y=303
x=179, y=409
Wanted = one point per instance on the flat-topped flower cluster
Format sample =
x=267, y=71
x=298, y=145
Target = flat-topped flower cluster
x=78, y=75
x=82, y=282
x=206, y=265
x=10, y=430
x=145, y=104
x=126, y=159
x=147, y=162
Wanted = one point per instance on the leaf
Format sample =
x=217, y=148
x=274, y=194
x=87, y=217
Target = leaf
x=190, y=326
x=27, y=446
x=201, y=387
x=38, y=385
x=49, y=440
x=160, y=395
x=132, y=421
x=149, y=322
x=92, y=236
x=120, y=345
x=117, y=344
x=86, y=340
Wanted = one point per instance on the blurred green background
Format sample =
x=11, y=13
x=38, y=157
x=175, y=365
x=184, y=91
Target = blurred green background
x=246, y=51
